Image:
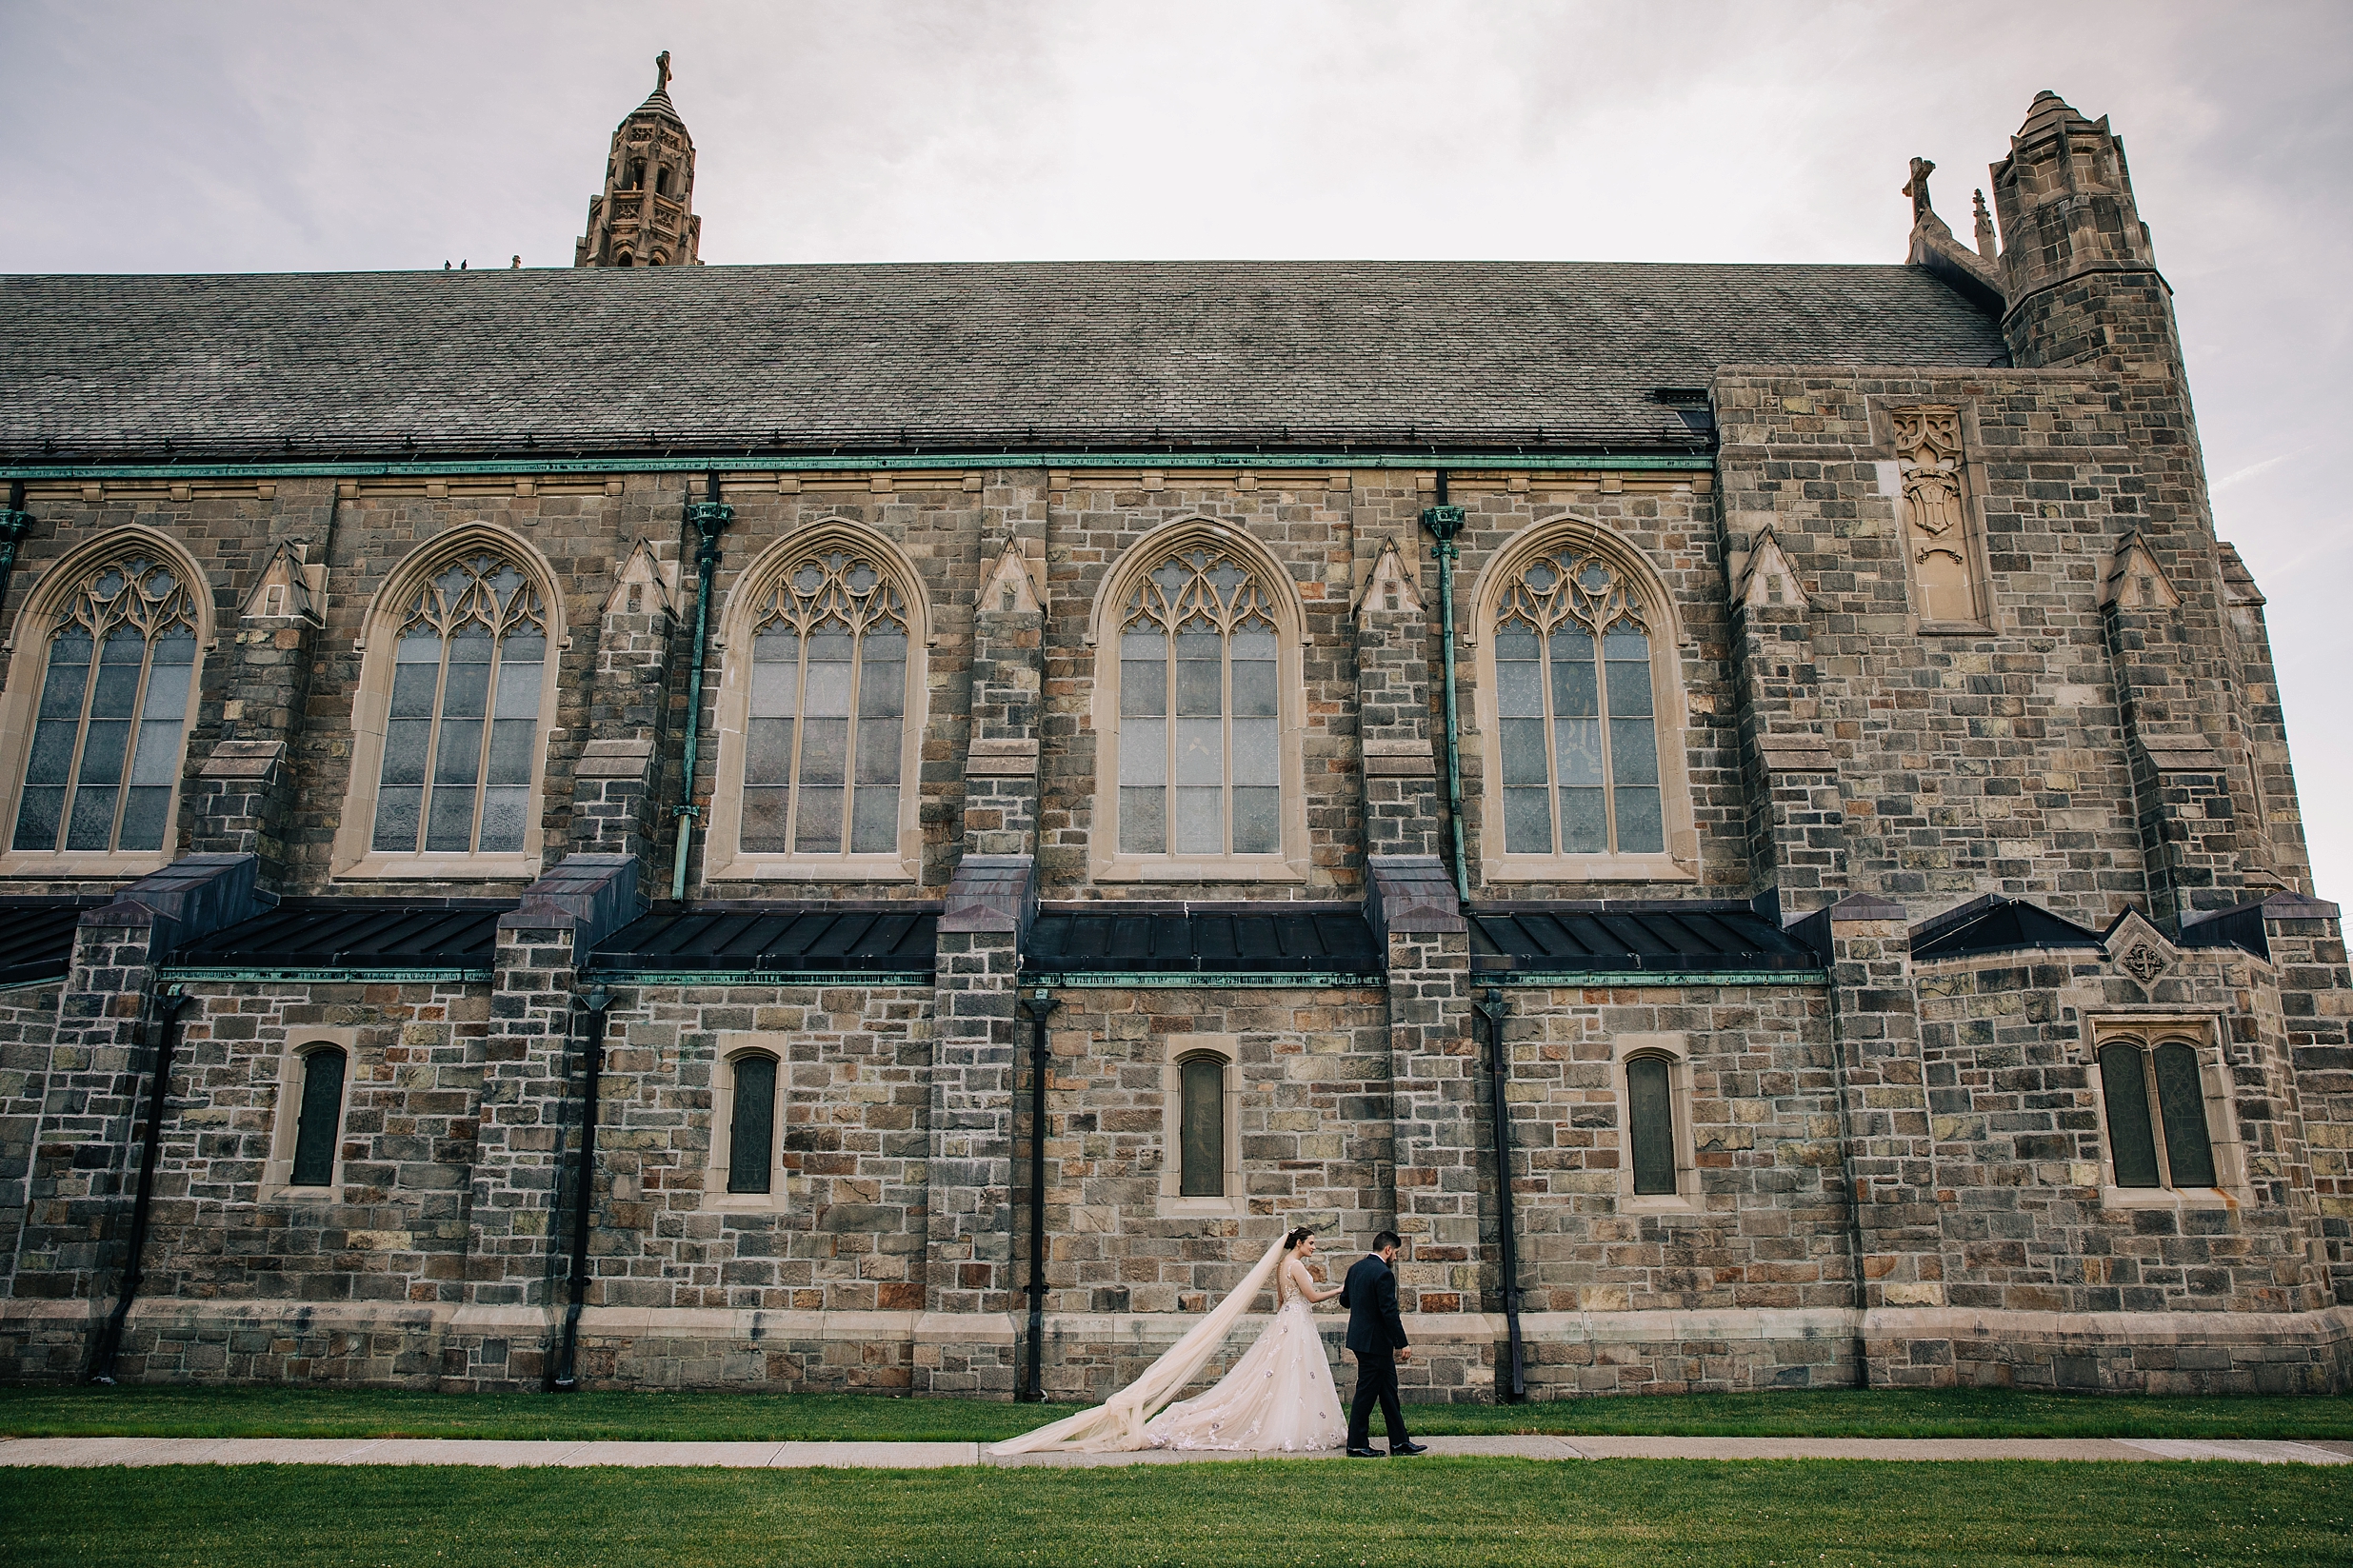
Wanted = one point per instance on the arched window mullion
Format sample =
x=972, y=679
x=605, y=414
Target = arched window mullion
x=136, y=600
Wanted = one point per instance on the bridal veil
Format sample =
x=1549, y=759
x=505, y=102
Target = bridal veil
x=1117, y=1423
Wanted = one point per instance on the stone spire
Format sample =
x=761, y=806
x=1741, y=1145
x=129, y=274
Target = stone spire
x=645, y=215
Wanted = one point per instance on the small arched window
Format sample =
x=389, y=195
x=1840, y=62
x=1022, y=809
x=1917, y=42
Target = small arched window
x=111, y=724
x=751, y=1124
x=662, y=182
x=1650, y=1125
x=2158, y=1135
x=461, y=740
x=824, y=731
x=1575, y=709
x=1199, y=723
x=1202, y=1126
x=320, y=1117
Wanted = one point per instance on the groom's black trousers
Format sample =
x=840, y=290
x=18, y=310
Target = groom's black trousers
x=1376, y=1378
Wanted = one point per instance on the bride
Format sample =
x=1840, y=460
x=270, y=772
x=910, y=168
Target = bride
x=1278, y=1398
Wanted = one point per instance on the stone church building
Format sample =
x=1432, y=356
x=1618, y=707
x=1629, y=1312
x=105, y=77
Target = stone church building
x=888, y=827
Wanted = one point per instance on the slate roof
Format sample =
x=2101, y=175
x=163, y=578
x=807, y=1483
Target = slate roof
x=1129, y=356
x=1631, y=937
x=776, y=939
x=1178, y=939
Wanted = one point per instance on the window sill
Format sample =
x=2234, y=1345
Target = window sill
x=1657, y=1203
x=1584, y=868
x=1200, y=868
x=283, y=1191
x=1201, y=1208
x=1953, y=629
x=2166, y=1198
x=747, y=1202
x=374, y=868
x=31, y=863
x=810, y=868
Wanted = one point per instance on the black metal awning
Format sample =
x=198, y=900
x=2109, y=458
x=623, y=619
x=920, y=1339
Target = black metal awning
x=36, y=936
x=1996, y=924
x=318, y=938
x=1161, y=945
x=1647, y=939
x=780, y=940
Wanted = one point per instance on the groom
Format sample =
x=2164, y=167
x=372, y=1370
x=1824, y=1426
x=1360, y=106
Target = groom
x=1377, y=1335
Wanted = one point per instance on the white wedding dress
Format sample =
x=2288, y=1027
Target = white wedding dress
x=1279, y=1399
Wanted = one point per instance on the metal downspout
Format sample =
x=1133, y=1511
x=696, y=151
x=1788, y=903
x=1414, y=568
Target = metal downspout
x=1498, y=1081
x=564, y=1377
x=1039, y=1007
x=111, y=1333
x=1445, y=522
x=709, y=516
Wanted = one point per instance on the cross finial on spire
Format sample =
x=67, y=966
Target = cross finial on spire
x=1917, y=187
x=662, y=72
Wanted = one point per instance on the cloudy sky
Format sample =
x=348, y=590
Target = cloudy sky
x=228, y=136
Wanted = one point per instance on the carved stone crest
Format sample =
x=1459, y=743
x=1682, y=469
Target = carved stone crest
x=2140, y=949
x=1927, y=442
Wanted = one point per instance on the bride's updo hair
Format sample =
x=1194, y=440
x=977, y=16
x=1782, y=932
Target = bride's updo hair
x=1291, y=1242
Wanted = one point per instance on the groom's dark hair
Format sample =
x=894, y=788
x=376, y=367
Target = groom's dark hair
x=1386, y=1238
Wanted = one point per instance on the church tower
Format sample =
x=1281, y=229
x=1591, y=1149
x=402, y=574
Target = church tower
x=646, y=216
x=2077, y=270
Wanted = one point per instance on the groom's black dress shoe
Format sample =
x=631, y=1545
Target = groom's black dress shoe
x=1399, y=1450
x=1366, y=1454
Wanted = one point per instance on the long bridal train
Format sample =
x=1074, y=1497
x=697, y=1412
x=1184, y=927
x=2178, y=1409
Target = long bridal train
x=1279, y=1397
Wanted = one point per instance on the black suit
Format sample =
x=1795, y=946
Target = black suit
x=1376, y=1333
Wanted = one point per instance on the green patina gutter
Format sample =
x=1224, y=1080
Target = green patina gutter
x=1157, y=980
x=839, y=462
x=709, y=516
x=1620, y=979
x=767, y=977
x=1445, y=522
x=224, y=974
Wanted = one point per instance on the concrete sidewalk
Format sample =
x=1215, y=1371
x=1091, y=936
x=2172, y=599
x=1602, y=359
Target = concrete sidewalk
x=935, y=1456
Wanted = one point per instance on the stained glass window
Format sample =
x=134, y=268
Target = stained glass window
x=751, y=1131
x=460, y=743
x=1573, y=704
x=823, y=736
x=1200, y=729
x=2157, y=1115
x=1650, y=1115
x=113, y=717
x=1201, y=1127
x=322, y=1117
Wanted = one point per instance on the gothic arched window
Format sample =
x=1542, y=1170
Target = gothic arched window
x=824, y=717
x=460, y=743
x=456, y=698
x=1200, y=720
x=112, y=722
x=1575, y=648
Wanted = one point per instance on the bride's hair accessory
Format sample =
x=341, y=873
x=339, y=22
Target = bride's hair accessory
x=1291, y=1242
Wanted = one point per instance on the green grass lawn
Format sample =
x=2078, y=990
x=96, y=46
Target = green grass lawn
x=191, y=1412
x=1510, y=1514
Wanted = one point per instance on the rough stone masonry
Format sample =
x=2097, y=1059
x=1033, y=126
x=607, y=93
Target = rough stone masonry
x=887, y=827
